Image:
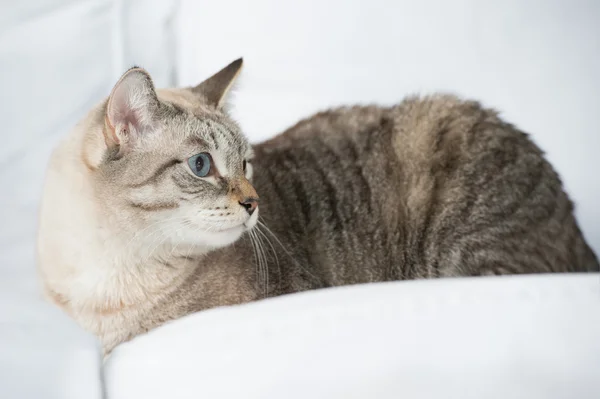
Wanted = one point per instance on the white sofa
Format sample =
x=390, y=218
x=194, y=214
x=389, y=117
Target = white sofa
x=529, y=337
x=535, y=61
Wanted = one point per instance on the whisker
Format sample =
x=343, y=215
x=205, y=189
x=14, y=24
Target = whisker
x=160, y=240
x=316, y=279
x=189, y=252
x=272, y=249
x=138, y=234
x=265, y=266
x=185, y=224
x=252, y=239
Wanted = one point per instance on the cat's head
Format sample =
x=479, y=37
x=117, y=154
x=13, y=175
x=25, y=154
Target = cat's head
x=171, y=161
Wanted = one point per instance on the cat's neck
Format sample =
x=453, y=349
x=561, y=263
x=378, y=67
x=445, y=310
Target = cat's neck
x=131, y=267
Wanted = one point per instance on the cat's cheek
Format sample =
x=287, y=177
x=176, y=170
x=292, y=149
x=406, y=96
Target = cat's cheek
x=249, y=171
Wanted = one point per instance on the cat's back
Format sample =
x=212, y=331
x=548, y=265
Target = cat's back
x=433, y=186
x=482, y=193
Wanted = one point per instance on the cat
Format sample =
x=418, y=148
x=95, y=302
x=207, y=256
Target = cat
x=151, y=204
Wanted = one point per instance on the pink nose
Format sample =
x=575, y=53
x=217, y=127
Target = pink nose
x=250, y=203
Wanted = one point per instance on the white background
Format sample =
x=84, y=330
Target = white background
x=536, y=61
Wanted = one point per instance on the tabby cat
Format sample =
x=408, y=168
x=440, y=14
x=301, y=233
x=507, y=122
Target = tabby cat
x=156, y=205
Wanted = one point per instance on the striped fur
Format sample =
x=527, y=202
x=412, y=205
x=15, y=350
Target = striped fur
x=432, y=187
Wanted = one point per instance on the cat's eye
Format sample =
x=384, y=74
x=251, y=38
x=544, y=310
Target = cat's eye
x=244, y=165
x=200, y=164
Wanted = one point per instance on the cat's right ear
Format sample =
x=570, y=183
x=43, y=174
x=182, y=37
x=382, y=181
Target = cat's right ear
x=214, y=89
x=131, y=110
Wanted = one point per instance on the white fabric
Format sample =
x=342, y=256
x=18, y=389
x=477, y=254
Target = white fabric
x=44, y=355
x=533, y=337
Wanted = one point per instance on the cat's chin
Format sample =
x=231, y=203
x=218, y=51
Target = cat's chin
x=223, y=238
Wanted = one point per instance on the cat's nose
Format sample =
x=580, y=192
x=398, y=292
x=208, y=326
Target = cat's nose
x=250, y=203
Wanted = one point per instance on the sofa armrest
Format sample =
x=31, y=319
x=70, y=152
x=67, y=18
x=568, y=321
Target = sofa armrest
x=497, y=337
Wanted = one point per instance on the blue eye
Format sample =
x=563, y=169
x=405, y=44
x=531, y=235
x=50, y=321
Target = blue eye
x=200, y=164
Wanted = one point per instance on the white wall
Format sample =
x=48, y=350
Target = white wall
x=536, y=61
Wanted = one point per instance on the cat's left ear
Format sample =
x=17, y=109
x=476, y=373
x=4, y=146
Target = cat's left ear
x=131, y=109
x=214, y=89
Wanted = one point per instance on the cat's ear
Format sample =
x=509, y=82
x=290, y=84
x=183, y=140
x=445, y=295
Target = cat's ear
x=215, y=89
x=131, y=109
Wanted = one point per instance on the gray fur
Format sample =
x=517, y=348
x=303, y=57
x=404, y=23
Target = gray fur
x=432, y=187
